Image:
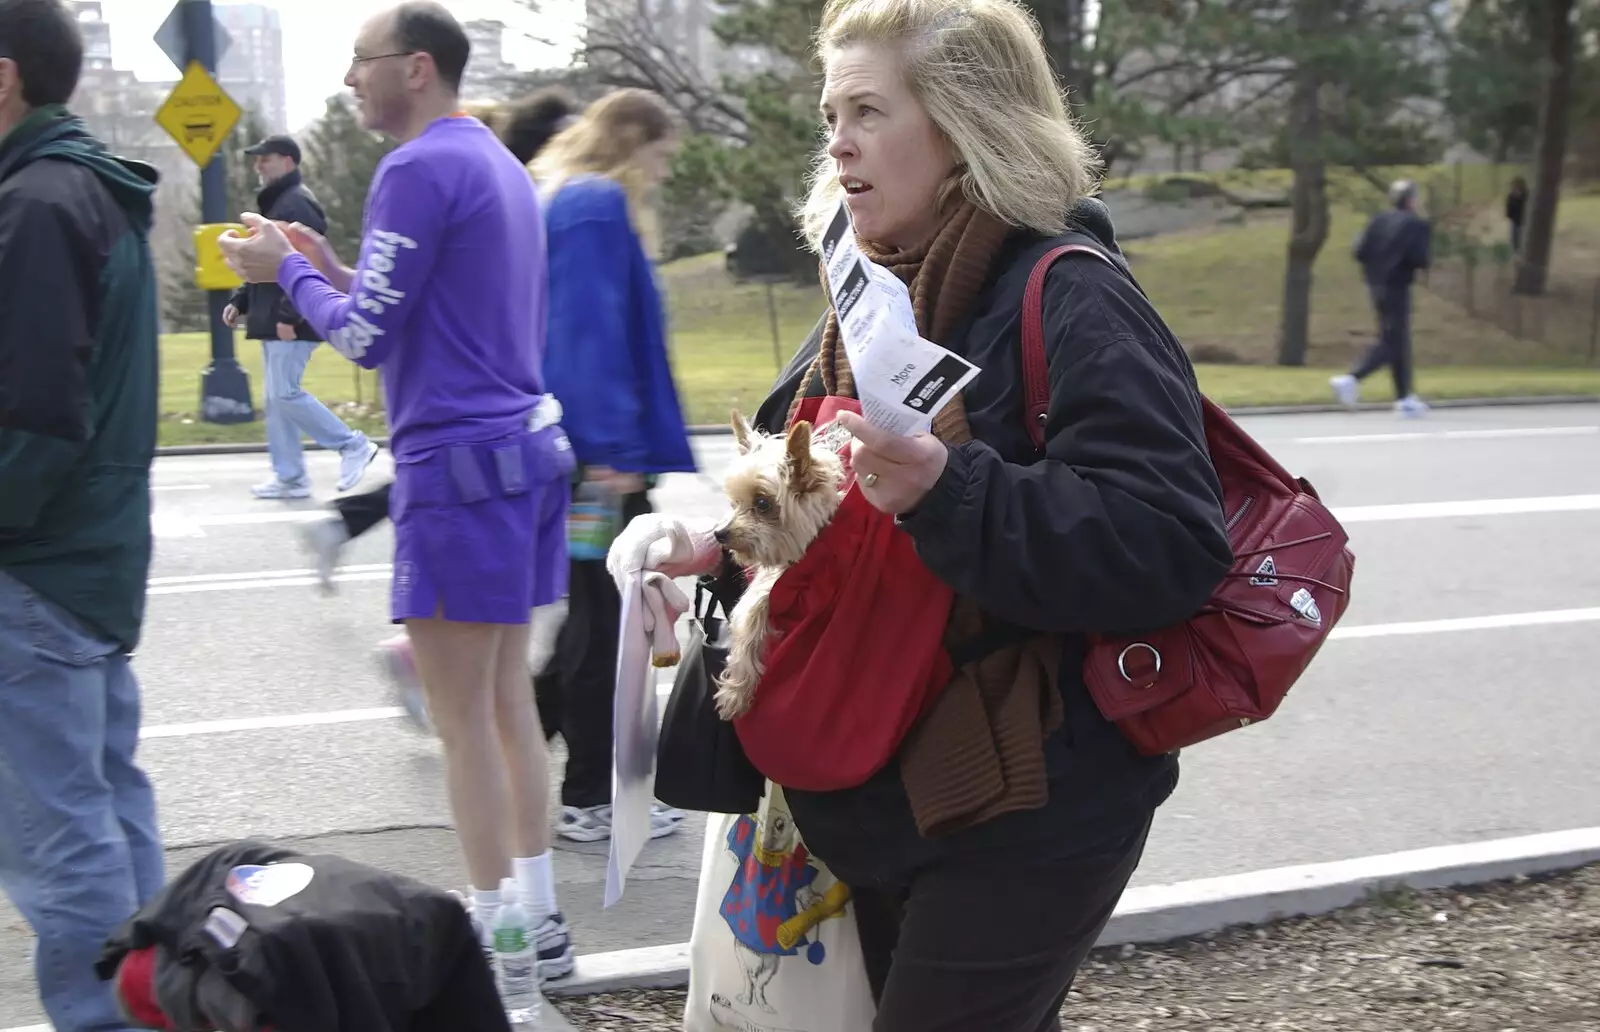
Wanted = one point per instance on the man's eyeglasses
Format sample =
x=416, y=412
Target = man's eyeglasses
x=359, y=59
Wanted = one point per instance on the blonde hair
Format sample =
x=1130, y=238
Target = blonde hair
x=605, y=140
x=979, y=69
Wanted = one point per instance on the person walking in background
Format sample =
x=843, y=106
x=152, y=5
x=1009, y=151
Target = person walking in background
x=524, y=127
x=607, y=364
x=80, y=850
x=1391, y=249
x=448, y=298
x=1516, y=209
x=287, y=342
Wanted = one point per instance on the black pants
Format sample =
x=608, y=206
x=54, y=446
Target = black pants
x=361, y=512
x=576, y=692
x=1393, y=346
x=992, y=942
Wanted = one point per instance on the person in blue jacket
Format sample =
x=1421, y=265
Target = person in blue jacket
x=607, y=364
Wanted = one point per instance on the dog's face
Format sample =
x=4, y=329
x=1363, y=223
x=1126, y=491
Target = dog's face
x=784, y=490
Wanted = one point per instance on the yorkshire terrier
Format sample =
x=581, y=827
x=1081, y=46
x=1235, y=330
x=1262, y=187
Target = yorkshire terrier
x=784, y=490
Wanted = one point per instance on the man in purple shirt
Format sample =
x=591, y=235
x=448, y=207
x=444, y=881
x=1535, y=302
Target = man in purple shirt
x=448, y=300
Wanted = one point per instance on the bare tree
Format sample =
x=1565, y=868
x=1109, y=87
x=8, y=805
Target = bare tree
x=626, y=46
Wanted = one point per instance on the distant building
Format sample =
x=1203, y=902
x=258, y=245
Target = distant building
x=680, y=28
x=488, y=72
x=118, y=108
x=96, y=36
x=252, y=69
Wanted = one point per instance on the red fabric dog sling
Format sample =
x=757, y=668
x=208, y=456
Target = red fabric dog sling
x=857, y=647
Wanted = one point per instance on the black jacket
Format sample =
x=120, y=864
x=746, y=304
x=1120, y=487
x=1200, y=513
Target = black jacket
x=78, y=371
x=355, y=950
x=264, y=305
x=1393, y=247
x=1119, y=528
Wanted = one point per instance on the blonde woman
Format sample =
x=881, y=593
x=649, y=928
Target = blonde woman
x=989, y=851
x=606, y=362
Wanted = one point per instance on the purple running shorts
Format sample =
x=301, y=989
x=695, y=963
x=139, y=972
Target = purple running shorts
x=480, y=530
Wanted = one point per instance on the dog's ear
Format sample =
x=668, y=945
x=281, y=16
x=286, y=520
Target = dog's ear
x=741, y=432
x=799, y=450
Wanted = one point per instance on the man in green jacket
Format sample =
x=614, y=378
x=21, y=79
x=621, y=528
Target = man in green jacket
x=79, y=846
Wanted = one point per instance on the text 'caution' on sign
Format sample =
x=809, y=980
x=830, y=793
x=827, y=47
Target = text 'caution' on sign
x=198, y=114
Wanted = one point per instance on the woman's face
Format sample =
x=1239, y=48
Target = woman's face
x=655, y=159
x=890, y=157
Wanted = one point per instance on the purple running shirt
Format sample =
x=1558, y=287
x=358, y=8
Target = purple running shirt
x=449, y=296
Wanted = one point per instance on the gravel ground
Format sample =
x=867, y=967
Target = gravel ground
x=1520, y=956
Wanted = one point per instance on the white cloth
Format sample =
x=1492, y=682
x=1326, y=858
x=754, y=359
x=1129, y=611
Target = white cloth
x=651, y=605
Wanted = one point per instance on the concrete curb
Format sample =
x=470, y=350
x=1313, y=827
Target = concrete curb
x=1162, y=913
x=253, y=448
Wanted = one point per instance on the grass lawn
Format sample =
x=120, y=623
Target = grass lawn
x=1219, y=287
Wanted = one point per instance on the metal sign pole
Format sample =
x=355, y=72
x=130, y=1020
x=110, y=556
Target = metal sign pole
x=224, y=386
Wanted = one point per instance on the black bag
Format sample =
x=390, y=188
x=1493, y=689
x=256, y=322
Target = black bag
x=700, y=764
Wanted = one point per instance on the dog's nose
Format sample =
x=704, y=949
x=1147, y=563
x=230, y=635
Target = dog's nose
x=721, y=534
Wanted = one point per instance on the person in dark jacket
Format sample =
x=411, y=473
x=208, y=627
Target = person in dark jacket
x=1392, y=249
x=287, y=342
x=1516, y=211
x=975, y=911
x=79, y=844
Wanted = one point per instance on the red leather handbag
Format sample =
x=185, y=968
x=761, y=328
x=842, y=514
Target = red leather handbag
x=857, y=648
x=1232, y=664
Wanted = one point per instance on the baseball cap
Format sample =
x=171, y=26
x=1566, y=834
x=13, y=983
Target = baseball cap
x=279, y=144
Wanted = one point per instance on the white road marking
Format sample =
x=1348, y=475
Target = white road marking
x=293, y=720
x=219, y=727
x=167, y=526
x=1542, y=618
x=1548, y=617
x=1474, y=507
x=172, y=525
x=266, y=579
x=1453, y=435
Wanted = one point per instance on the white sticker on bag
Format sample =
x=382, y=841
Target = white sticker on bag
x=270, y=885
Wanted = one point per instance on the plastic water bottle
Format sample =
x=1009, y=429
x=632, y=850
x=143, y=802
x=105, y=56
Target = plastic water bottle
x=517, y=957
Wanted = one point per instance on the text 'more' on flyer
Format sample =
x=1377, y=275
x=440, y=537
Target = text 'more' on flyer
x=902, y=379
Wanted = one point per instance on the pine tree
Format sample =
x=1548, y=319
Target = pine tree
x=341, y=160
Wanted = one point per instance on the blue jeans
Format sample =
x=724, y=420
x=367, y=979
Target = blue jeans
x=80, y=851
x=292, y=412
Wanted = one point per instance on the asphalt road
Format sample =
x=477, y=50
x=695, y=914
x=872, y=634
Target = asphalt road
x=266, y=717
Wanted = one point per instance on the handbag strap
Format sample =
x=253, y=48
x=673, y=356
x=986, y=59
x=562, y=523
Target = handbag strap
x=1035, y=367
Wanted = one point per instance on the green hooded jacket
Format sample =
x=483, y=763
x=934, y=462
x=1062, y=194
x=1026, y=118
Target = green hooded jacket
x=78, y=371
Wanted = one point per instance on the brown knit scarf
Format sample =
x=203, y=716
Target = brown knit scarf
x=945, y=277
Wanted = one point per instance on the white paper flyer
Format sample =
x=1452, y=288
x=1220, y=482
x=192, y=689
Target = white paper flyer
x=635, y=726
x=902, y=380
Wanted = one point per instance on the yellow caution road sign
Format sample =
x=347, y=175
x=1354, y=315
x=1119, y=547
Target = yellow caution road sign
x=198, y=114
x=211, y=270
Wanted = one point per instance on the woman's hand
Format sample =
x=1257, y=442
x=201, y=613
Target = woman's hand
x=614, y=481
x=653, y=541
x=895, y=473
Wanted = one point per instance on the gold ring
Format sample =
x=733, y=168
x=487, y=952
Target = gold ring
x=870, y=479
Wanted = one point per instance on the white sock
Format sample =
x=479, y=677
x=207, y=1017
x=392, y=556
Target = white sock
x=486, y=908
x=536, y=880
